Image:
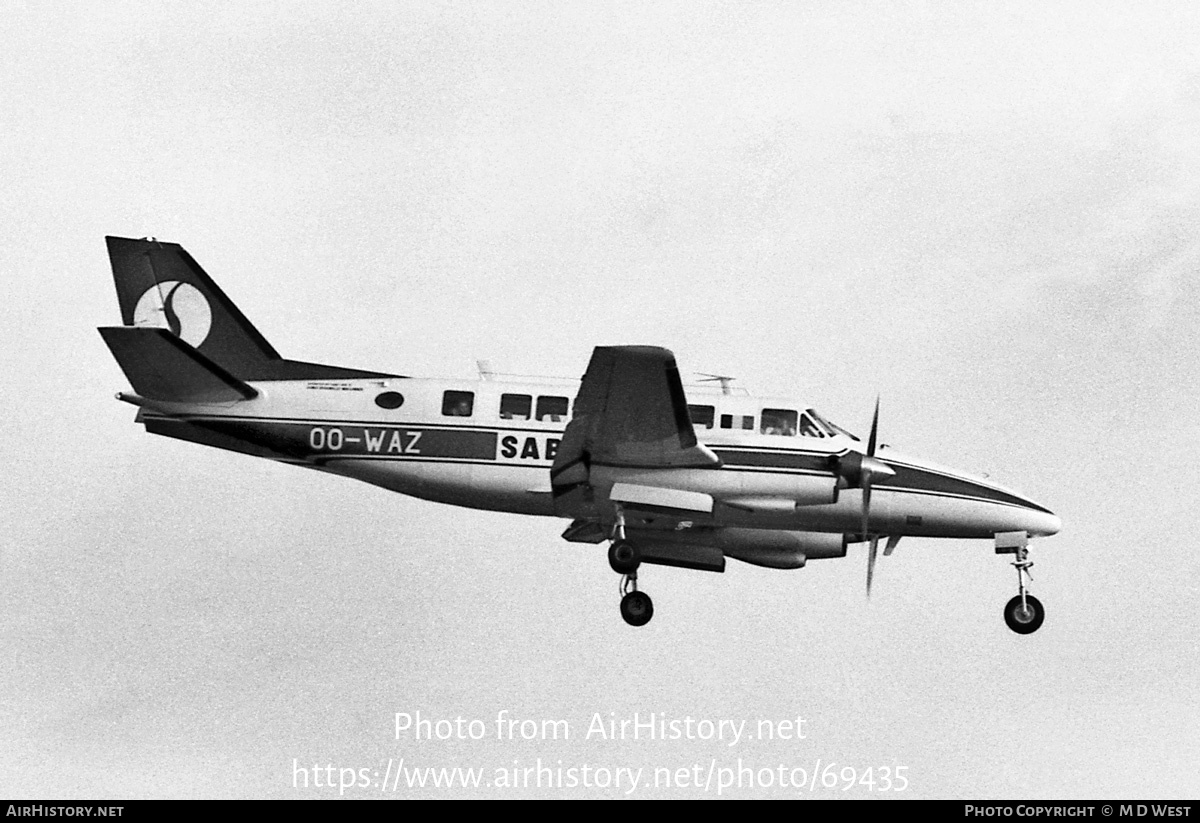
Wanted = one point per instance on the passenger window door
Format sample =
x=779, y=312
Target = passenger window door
x=552, y=409
x=458, y=403
x=744, y=422
x=516, y=406
x=702, y=416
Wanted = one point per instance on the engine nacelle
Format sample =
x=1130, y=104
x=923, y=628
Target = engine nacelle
x=688, y=549
x=779, y=549
x=706, y=549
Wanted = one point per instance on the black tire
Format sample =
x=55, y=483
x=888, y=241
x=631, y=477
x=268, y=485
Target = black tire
x=1024, y=620
x=637, y=608
x=624, y=557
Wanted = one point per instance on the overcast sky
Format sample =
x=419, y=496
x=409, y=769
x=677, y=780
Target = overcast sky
x=985, y=213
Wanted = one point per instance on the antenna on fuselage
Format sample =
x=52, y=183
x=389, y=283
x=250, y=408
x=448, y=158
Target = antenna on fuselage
x=485, y=369
x=725, y=381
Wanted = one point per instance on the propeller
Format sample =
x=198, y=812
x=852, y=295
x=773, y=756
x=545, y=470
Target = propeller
x=859, y=470
x=866, y=484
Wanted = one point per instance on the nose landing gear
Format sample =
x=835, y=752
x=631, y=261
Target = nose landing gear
x=1024, y=613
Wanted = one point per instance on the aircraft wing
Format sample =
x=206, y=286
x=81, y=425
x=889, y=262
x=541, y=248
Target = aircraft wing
x=630, y=412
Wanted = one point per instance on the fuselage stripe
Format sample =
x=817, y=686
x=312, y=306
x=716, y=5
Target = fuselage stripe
x=466, y=443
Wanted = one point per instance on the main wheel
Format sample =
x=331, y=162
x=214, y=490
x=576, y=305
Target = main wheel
x=637, y=608
x=1024, y=618
x=624, y=557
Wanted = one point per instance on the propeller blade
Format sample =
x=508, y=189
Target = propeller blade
x=856, y=469
x=866, y=487
x=866, y=516
x=891, y=545
x=871, y=562
x=866, y=510
x=874, y=430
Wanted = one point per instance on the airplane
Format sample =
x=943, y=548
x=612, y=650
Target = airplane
x=663, y=476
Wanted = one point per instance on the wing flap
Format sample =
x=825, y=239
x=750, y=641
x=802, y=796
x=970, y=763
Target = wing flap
x=653, y=498
x=585, y=531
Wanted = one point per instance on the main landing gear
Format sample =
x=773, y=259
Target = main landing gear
x=636, y=606
x=1024, y=613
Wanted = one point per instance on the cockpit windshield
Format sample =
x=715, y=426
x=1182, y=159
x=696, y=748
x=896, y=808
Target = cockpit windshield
x=830, y=428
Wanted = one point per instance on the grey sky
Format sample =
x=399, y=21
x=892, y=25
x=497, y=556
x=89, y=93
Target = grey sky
x=984, y=212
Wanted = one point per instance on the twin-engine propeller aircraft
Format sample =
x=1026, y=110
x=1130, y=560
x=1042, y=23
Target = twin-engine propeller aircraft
x=765, y=480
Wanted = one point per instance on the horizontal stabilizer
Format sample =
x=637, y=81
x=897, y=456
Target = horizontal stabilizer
x=161, y=366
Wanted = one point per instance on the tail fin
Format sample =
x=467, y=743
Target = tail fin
x=160, y=285
x=161, y=366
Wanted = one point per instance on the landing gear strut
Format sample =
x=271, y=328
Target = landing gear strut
x=1024, y=613
x=624, y=557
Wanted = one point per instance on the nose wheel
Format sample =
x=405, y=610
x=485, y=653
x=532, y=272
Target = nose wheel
x=1024, y=614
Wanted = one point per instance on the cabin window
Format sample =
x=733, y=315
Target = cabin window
x=516, y=406
x=553, y=409
x=741, y=421
x=458, y=403
x=779, y=422
x=809, y=427
x=829, y=428
x=702, y=416
x=389, y=400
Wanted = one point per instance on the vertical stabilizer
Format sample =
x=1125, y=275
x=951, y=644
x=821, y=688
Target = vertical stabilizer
x=160, y=285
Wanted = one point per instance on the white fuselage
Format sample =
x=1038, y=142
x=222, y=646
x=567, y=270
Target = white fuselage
x=489, y=444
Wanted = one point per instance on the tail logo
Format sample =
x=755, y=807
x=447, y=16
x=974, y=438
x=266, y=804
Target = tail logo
x=177, y=306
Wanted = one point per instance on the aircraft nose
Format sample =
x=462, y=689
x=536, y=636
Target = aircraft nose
x=1043, y=523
